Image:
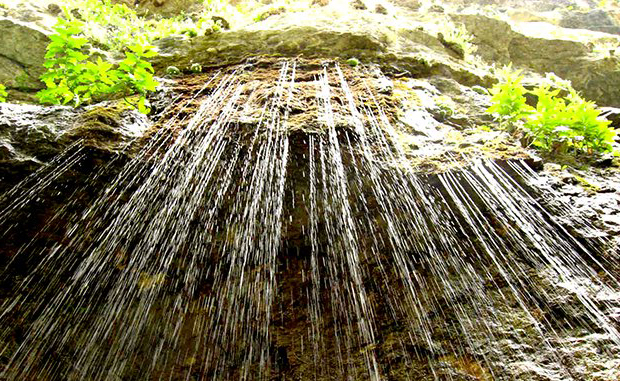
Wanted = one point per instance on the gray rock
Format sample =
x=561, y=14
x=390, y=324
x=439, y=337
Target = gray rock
x=30, y=131
x=596, y=20
x=612, y=114
x=54, y=9
x=22, y=51
x=222, y=22
x=169, y=45
x=413, y=5
x=15, y=76
x=358, y=4
x=597, y=79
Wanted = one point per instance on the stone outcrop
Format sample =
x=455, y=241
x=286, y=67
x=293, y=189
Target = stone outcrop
x=31, y=136
x=22, y=51
x=405, y=46
x=164, y=8
x=366, y=36
x=598, y=78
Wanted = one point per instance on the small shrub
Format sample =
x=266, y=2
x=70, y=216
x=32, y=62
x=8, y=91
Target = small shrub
x=557, y=123
x=195, y=68
x=73, y=77
x=458, y=36
x=508, y=97
x=173, y=71
x=69, y=76
x=353, y=62
x=135, y=75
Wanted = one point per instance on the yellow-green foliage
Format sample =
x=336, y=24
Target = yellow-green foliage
x=72, y=76
x=3, y=93
x=609, y=3
x=557, y=123
x=457, y=34
x=114, y=26
x=509, y=96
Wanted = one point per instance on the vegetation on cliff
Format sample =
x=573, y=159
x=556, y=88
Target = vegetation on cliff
x=561, y=120
x=76, y=77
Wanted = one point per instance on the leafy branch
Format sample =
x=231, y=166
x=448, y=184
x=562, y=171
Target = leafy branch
x=72, y=75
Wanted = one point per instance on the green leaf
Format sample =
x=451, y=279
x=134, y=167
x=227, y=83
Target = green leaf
x=3, y=93
x=67, y=97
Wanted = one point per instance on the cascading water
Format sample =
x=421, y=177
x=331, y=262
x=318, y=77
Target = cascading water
x=179, y=269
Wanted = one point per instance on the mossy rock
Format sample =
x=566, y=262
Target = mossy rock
x=104, y=125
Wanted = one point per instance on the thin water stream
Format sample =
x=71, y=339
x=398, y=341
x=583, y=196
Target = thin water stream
x=179, y=270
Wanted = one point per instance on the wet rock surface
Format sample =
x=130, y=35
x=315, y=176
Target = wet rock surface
x=31, y=136
x=407, y=44
x=57, y=153
x=442, y=126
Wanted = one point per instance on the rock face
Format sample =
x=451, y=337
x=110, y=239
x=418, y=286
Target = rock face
x=597, y=20
x=439, y=125
x=164, y=8
x=597, y=78
x=31, y=136
x=22, y=51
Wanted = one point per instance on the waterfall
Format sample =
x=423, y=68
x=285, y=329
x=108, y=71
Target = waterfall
x=181, y=270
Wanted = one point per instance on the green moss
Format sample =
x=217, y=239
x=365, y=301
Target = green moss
x=272, y=11
x=480, y=90
x=586, y=184
x=173, y=71
x=445, y=105
x=101, y=122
